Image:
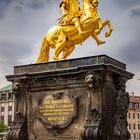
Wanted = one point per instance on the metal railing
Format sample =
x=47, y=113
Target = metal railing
x=3, y=136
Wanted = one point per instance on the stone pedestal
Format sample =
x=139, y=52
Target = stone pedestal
x=77, y=99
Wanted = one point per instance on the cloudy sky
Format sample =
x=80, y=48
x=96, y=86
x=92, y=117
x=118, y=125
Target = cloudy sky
x=23, y=23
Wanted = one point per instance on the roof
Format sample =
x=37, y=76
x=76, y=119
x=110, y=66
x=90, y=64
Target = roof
x=6, y=88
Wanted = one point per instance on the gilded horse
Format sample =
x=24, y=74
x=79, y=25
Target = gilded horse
x=64, y=38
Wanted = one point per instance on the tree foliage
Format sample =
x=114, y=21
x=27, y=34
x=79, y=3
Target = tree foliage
x=3, y=127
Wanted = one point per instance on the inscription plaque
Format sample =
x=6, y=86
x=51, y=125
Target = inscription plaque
x=57, y=110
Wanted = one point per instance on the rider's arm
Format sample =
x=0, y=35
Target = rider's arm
x=63, y=8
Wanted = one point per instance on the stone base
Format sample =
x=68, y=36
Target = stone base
x=77, y=99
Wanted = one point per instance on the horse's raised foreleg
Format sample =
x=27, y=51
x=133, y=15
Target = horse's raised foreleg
x=102, y=25
x=98, y=41
x=107, y=34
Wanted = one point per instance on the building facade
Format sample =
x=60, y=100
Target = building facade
x=7, y=105
x=134, y=117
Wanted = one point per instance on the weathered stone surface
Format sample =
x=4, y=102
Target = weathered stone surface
x=77, y=99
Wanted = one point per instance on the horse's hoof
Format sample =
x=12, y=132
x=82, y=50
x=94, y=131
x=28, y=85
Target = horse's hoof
x=101, y=42
x=107, y=34
x=55, y=57
x=63, y=58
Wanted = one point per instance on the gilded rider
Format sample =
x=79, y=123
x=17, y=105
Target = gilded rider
x=70, y=11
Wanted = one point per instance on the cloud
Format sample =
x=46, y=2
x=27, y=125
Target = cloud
x=127, y=3
x=34, y=4
x=12, y=53
x=131, y=54
x=20, y=5
x=4, y=4
x=135, y=12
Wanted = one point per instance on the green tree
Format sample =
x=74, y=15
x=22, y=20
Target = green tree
x=3, y=127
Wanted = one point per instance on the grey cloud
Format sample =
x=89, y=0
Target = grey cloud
x=3, y=6
x=33, y=4
x=18, y=8
x=36, y=4
x=130, y=53
x=12, y=53
x=135, y=12
x=20, y=5
x=127, y=3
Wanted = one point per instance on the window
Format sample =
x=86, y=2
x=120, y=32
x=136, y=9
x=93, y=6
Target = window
x=3, y=97
x=138, y=126
x=2, y=118
x=130, y=105
x=9, y=108
x=129, y=126
x=133, y=105
x=133, y=115
x=138, y=115
x=2, y=109
x=134, y=126
x=129, y=115
x=134, y=136
x=10, y=96
x=136, y=105
x=9, y=119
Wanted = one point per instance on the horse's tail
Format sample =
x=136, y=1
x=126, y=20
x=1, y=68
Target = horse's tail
x=44, y=52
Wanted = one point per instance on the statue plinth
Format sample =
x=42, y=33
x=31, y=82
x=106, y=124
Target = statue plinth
x=77, y=99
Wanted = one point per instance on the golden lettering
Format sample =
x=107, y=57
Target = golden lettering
x=56, y=118
x=46, y=102
x=56, y=110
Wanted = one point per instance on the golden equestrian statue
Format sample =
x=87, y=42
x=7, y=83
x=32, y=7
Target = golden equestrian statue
x=75, y=26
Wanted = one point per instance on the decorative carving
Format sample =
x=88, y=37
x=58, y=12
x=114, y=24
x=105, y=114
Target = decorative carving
x=120, y=84
x=18, y=128
x=93, y=124
x=91, y=80
x=15, y=87
x=122, y=103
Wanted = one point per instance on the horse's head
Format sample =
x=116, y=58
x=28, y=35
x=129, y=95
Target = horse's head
x=95, y=3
